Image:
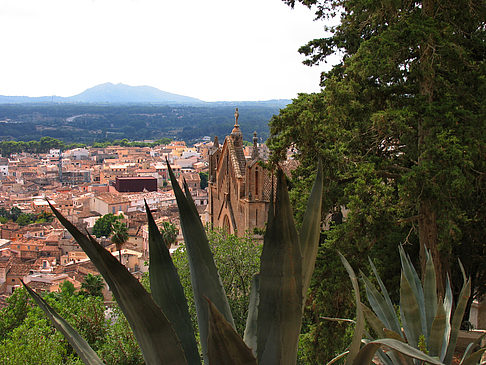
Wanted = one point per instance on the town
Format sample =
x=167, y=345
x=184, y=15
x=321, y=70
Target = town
x=85, y=184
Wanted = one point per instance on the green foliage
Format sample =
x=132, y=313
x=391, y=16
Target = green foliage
x=204, y=180
x=132, y=122
x=24, y=219
x=104, y=225
x=237, y=260
x=119, y=234
x=27, y=337
x=15, y=212
x=93, y=285
x=33, y=342
x=399, y=126
x=169, y=233
x=15, y=312
x=120, y=346
x=44, y=217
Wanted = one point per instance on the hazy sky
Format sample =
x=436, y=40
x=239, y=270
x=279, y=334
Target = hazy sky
x=208, y=49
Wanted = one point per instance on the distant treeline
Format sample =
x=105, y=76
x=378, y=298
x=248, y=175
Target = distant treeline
x=47, y=143
x=98, y=123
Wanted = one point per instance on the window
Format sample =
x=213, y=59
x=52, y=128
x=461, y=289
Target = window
x=256, y=182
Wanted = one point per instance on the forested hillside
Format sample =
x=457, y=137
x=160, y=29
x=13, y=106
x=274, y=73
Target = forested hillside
x=96, y=123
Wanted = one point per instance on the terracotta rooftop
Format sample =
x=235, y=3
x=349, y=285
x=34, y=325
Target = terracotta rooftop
x=19, y=269
x=113, y=198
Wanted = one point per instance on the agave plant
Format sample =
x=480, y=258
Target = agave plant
x=429, y=330
x=428, y=321
x=160, y=320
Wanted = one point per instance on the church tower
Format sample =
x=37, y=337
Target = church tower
x=238, y=196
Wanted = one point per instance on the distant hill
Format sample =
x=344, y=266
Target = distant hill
x=123, y=94
x=109, y=93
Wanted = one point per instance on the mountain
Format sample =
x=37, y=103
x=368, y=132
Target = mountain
x=109, y=93
x=123, y=94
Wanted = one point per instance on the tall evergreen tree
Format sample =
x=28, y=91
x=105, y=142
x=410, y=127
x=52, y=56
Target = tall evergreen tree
x=400, y=125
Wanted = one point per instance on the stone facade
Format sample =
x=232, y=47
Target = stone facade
x=239, y=188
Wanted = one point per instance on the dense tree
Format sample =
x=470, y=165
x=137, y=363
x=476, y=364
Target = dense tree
x=237, y=260
x=169, y=233
x=27, y=336
x=119, y=235
x=93, y=285
x=204, y=180
x=400, y=128
x=104, y=225
x=15, y=212
x=24, y=219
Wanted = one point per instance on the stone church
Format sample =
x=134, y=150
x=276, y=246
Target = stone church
x=239, y=188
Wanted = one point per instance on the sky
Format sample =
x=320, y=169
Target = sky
x=213, y=50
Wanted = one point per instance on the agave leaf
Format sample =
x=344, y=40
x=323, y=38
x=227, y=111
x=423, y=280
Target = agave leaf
x=397, y=357
x=250, y=335
x=416, y=286
x=375, y=323
x=79, y=344
x=471, y=346
x=380, y=305
x=463, y=271
x=457, y=320
x=225, y=346
x=310, y=231
x=338, y=357
x=436, y=338
x=189, y=197
x=271, y=208
x=154, y=333
x=430, y=294
x=367, y=353
x=280, y=308
x=167, y=290
x=360, y=321
x=447, y=310
x=385, y=359
x=393, y=334
x=409, y=310
x=474, y=358
x=389, y=309
x=205, y=278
